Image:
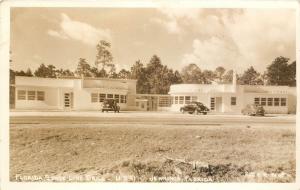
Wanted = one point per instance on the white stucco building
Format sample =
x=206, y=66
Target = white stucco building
x=72, y=93
x=34, y=93
x=227, y=98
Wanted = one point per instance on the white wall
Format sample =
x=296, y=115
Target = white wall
x=249, y=99
x=45, y=82
x=51, y=99
x=241, y=101
x=82, y=99
x=228, y=108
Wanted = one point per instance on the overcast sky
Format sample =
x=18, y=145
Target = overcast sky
x=232, y=38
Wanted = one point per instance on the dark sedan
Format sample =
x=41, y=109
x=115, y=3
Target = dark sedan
x=195, y=108
x=254, y=110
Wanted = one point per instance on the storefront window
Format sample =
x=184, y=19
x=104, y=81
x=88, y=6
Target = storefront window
x=117, y=98
x=181, y=98
x=94, y=97
x=233, y=101
x=31, y=95
x=263, y=101
x=40, y=95
x=21, y=95
x=102, y=97
x=176, y=99
x=256, y=101
x=194, y=98
x=187, y=100
x=270, y=101
x=276, y=101
x=122, y=99
x=283, y=101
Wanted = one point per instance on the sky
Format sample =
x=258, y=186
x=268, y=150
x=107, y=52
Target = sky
x=232, y=38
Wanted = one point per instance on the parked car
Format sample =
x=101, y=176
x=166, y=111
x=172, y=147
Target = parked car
x=254, y=110
x=195, y=108
x=110, y=105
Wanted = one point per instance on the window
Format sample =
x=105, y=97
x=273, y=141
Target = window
x=187, y=99
x=181, y=99
x=137, y=104
x=122, y=99
x=212, y=104
x=102, y=97
x=194, y=98
x=40, y=95
x=31, y=95
x=164, y=102
x=94, y=97
x=270, y=101
x=233, y=101
x=21, y=95
x=176, y=99
x=263, y=101
x=283, y=101
x=125, y=99
x=110, y=96
x=142, y=105
x=256, y=101
x=117, y=98
x=276, y=101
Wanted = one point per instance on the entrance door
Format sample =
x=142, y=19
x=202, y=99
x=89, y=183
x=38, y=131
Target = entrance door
x=216, y=104
x=219, y=104
x=68, y=100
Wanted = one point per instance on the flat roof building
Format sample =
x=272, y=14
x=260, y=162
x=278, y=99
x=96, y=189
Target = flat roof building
x=72, y=93
x=231, y=98
x=34, y=93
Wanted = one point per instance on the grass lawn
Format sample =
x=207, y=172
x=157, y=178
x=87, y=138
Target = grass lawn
x=237, y=152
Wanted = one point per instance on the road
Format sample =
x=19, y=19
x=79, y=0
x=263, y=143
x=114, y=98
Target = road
x=165, y=118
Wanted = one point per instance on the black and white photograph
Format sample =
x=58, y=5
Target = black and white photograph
x=164, y=94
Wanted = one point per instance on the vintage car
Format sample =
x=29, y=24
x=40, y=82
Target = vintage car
x=194, y=108
x=254, y=110
x=110, y=105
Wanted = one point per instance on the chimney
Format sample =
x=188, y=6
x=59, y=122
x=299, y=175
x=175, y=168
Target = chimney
x=234, y=81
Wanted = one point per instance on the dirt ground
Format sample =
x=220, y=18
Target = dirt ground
x=152, y=148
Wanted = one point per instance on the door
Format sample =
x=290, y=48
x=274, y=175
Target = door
x=218, y=104
x=68, y=100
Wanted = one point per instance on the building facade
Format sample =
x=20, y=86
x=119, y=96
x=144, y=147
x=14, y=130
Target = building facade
x=72, y=93
x=230, y=98
x=34, y=93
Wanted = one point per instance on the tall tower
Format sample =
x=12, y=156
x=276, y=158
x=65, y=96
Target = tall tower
x=234, y=81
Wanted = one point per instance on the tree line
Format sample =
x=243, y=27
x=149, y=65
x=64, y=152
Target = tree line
x=156, y=78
